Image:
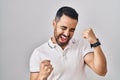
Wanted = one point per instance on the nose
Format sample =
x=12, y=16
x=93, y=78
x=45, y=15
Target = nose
x=66, y=33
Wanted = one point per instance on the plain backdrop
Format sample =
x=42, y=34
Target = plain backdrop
x=26, y=24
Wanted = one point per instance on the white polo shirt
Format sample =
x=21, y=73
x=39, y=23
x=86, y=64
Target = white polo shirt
x=68, y=64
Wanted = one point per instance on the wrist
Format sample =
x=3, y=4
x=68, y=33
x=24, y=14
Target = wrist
x=93, y=40
x=96, y=43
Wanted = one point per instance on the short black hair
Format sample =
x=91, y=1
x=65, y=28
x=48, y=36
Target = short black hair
x=68, y=11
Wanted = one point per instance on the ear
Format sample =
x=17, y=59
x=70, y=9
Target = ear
x=54, y=23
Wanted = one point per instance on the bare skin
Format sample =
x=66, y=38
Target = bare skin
x=64, y=27
x=63, y=32
x=96, y=61
x=45, y=70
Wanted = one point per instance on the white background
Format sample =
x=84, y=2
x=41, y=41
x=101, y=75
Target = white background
x=26, y=24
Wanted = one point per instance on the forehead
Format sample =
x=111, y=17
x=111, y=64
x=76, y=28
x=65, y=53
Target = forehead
x=67, y=21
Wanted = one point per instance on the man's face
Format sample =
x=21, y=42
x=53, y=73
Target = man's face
x=64, y=30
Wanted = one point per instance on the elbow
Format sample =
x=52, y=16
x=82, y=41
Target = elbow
x=101, y=70
x=102, y=73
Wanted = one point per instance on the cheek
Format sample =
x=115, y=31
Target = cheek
x=59, y=31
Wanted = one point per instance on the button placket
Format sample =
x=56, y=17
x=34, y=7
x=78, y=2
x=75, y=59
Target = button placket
x=60, y=52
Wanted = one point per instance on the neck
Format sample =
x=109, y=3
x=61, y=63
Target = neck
x=53, y=40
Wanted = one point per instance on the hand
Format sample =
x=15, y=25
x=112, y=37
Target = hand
x=45, y=69
x=89, y=35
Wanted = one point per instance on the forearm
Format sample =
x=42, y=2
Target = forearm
x=100, y=61
x=37, y=76
x=96, y=61
x=41, y=77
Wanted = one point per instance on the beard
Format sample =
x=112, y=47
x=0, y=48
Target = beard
x=62, y=40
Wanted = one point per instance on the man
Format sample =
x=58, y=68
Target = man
x=64, y=58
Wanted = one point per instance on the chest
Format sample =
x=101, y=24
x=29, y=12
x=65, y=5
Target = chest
x=67, y=61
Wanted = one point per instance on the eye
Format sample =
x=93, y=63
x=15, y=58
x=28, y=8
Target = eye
x=72, y=30
x=63, y=27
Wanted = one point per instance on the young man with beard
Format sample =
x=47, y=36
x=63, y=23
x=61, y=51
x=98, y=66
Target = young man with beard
x=64, y=58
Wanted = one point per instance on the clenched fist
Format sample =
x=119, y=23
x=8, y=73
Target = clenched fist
x=89, y=35
x=45, y=69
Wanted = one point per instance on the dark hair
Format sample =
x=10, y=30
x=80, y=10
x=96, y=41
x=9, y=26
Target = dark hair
x=68, y=11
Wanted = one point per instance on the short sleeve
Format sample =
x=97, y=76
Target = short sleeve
x=35, y=61
x=86, y=48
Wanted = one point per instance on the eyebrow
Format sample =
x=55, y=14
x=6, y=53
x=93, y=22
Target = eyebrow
x=64, y=26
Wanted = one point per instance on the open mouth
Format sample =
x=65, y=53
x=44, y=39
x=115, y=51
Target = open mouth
x=63, y=39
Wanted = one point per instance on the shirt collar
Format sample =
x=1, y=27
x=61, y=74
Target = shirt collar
x=51, y=44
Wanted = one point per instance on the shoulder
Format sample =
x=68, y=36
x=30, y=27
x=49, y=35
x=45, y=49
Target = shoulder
x=42, y=46
x=38, y=50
